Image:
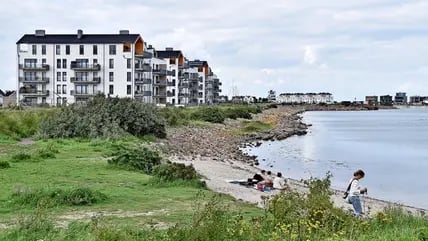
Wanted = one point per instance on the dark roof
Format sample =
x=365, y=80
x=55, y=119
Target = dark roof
x=85, y=39
x=197, y=63
x=164, y=54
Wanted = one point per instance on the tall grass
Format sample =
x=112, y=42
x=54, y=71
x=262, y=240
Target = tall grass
x=18, y=124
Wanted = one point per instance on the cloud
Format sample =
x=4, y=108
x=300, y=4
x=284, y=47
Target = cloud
x=310, y=56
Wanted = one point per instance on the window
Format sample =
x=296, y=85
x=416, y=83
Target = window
x=95, y=61
x=112, y=49
x=64, y=76
x=58, y=89
x=81, y=49
x=64, y=100
x=128, y=63
x=94, y=49
x=128, y=76
x=64, y=89
x=82, y=76
x=111, y=89
x=34, y=49
x=43, y=100
x=58, y=100
x=67, y=49
x=64, y=63
x=171, y=61
x=30, y=62
x=126, y=47
x=58, y=63
x=58, y=49
x=43, y=49
x=58, y=76
x=111, y=63
x=128, y=89
x=111, y=76
x=43, y=62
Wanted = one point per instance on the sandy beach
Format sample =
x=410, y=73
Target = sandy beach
x=214, y=151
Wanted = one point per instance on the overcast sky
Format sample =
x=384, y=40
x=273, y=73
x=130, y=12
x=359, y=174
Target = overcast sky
x=350, y=48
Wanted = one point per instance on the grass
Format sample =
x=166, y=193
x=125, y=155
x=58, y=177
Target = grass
x=248, y=127
x=81, y=163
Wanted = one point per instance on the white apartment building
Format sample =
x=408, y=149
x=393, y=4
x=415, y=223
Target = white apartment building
x=57, y=69
x=305, y=98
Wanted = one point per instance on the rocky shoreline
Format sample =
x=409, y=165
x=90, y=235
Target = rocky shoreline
x=215, y=151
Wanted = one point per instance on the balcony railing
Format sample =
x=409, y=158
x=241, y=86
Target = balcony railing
x=84, y=67
x=163, y=72
x=95, y=80
x=185, y=95
x=143, y=68
x=34, y=67
x=143, y=93
x=160, y=83
x=160, y=94
x=84, y=94
x=33, y=92
x=183, y=85
x=170, y=83
x=144, y=55
x=170, y=94
x=144, y=81
x=35, y=80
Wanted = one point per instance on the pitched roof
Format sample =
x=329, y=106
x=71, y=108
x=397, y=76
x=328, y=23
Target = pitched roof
x=85, y=39
x=164, y=54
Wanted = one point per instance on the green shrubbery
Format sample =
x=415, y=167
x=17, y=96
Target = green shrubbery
x=209, y=114
x=4, y=164
x=21, y=157
x=106, y=118
x=21, y=124
x=175, y=171
x=137, y=158
x=70, y=197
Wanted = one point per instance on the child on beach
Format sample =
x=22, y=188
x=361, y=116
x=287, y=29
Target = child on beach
x=355, y=191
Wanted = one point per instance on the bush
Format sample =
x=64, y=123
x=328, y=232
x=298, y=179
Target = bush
x=70, y=197
x=176, y=116
x=21, y=123
x=209, y=114
x=136, y=158
x=106, y=118
x=175, y=171
x=4, y=164
x=19, y=157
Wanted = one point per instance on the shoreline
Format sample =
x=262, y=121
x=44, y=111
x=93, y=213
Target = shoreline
x=215, y=152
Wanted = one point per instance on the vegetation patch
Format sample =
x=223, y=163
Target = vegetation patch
x=19, y=124
x=4, y=164
x=254, y=126
x=71, y=197
x=105, y=118
x=22, y=157
x=136, y=158
x=175, y=171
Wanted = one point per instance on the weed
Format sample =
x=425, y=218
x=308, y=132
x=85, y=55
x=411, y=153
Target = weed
x=4, y=164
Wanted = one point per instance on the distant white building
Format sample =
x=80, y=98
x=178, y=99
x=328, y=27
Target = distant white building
x=271, y=96
x=305, y=98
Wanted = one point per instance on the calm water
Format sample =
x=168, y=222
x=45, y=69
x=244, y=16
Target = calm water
x=391, y=146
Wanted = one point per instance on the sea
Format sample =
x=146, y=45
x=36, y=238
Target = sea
x=390, y=146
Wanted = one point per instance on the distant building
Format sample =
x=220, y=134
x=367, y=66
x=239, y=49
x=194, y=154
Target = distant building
x=386, y=100
x=238, y=99
x=372, y=100
x=7, y=98
x=1, y=98
x=400, y=98
x=308, y=98
x=271, y=96
x=223, y=99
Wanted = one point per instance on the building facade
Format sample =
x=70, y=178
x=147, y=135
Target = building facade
x=400, y=98
x=372, y=100
x=305, y=98
x=386, y=100
x=57, y=69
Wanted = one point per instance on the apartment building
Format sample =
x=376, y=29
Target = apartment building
x=305, y=98
x=56, y=69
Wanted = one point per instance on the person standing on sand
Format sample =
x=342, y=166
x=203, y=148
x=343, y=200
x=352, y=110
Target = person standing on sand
x=355, y=192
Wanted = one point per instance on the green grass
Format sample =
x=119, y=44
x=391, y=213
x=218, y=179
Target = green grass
x=83, y=164
x=248, y=127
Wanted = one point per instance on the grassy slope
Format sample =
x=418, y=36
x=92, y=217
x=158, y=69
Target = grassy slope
x=81, y=164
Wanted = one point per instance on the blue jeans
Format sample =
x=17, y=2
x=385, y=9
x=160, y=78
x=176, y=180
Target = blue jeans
x=356, y=203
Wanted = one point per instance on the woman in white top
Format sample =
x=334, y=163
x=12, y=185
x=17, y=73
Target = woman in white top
x=279, y=182
x=355, y=191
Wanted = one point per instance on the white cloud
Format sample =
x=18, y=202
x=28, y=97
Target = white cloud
x=310, y=56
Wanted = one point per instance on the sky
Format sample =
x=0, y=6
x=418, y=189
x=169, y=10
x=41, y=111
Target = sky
x=349, y=48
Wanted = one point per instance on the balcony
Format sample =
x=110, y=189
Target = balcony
x=143, y=68
x=160, y=94
x=94, y=81
x=183, y=85
x=170, y=94
x=163, y=72
x=34, y=80
x=84, y=66
x=29, y=92
x=144, y=55
x=144, y=81
x=184, y=95
x=143, y=93
x=84, y=94
x=34, y=67
x=170, y=83
x=160, y=83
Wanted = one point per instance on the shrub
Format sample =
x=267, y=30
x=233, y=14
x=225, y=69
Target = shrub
x=71, y=197
x=19, y=157
x=4, y=164
x=106, y=118
x=209, y=114
x=176, y=116
x=175, y=171
x=136, y=158
x=21, y=123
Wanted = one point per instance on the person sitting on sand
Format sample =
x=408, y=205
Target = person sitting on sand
x=355, y=191
x=259, y=177
x=279, y=182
